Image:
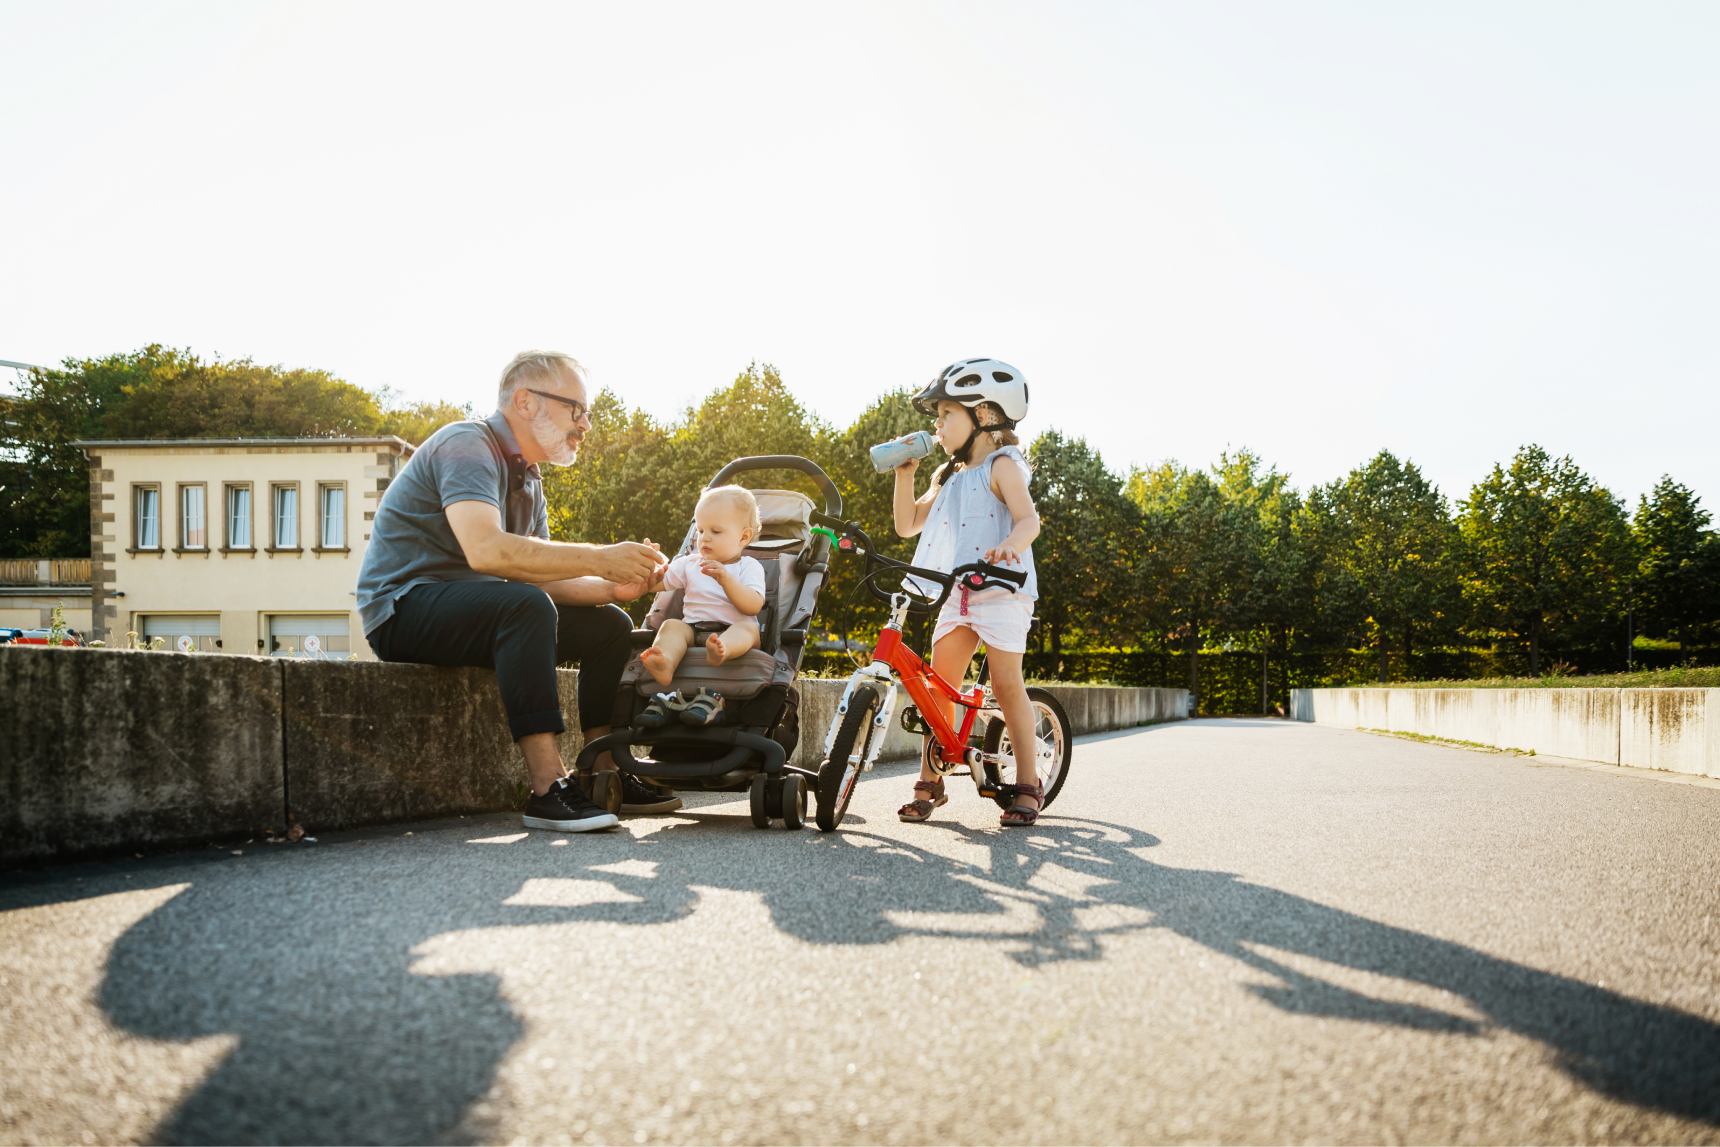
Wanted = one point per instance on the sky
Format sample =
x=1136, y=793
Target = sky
x=1312, y=230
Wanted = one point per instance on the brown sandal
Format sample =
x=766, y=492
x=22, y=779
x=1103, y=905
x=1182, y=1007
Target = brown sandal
x=1019, y=815
x=920, y=808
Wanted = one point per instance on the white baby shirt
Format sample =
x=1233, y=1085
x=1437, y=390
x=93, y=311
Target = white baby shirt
x=705, y=599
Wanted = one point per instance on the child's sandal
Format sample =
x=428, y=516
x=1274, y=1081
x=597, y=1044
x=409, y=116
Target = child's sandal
x=1019, y=815
x=705, y=708
x=920, y=808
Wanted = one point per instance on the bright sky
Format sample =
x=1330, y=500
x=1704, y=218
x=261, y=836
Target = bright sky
x=1312, y=229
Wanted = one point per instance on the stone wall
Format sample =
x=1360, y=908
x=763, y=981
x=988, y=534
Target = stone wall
x=1676, y=730
x=106, y=750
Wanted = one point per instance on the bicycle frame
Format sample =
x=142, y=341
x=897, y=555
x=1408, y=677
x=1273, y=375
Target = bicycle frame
x=892, y=659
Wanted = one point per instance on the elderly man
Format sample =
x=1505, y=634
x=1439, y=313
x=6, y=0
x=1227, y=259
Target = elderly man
x=461, y=571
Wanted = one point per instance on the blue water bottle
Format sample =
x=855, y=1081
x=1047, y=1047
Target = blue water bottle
x=886, y=456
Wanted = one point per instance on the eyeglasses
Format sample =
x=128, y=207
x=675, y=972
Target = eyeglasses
x=579, y=409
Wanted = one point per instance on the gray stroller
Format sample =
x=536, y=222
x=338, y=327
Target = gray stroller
x=750, y=753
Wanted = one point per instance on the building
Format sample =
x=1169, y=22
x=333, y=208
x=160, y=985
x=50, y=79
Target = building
x=235, y=545
x=30, y=589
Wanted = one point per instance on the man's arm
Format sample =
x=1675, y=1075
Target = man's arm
x=489, y=549
x=596, y=591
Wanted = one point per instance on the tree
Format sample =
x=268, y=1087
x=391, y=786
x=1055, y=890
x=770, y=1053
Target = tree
x=1201, y=538
x=868, y=498
x=1276, y=599
x=1547, y=550
x=417, y=421
x=1388, y=531
x=637, y=478
x=1678, y=568
x=1088, y=545
x=161, y=392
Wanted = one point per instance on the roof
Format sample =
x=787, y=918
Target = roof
x=385, y=440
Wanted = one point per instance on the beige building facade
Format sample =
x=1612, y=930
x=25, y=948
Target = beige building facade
x=235, y=545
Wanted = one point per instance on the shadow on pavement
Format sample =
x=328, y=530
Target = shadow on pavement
x=340, y=1043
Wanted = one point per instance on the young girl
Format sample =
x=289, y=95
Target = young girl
x=978, y=509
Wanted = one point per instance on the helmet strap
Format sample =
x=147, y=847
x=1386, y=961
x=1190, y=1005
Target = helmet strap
x=961, y=455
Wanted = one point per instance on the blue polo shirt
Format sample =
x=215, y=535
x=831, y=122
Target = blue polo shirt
x=411, y=542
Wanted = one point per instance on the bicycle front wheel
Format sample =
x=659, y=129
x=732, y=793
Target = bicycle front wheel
x=1055, y=744
x=840, y=772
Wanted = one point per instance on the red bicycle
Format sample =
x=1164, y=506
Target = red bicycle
x=856, y=735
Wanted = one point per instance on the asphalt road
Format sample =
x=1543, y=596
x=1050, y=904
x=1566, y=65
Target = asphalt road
x=1223, y=931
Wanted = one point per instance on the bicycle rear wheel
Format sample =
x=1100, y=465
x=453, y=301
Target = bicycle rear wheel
x=840, y=772
x=1056, y=745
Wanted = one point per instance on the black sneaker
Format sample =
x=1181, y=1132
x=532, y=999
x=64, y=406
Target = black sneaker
x=566, y=808
x=637, y=796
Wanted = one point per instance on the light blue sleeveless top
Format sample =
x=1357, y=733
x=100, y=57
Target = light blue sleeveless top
x=967, y=519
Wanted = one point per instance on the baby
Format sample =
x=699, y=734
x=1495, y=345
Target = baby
x=722, y=585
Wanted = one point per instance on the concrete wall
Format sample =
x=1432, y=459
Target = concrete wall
x=370, y=743
x=1676, y=730
x=105, y=750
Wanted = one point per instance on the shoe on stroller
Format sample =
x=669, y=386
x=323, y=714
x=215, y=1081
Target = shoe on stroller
x=754, y=730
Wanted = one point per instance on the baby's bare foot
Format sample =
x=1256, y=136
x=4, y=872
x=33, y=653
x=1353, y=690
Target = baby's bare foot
x=657, y=665
x=714, y=651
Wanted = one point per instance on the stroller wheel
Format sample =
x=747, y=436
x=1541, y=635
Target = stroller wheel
x=760, y=793
x=793, y=801
x=606, y=790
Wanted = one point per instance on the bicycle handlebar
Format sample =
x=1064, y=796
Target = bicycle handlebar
x=974, y=576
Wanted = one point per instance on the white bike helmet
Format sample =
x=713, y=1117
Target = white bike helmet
x=973, y=381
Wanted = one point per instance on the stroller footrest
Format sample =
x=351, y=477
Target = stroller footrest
x=743, y=744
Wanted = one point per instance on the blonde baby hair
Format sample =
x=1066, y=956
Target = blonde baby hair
x=737, y=498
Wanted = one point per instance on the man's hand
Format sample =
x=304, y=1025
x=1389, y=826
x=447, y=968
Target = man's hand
x=627, y=562
x=627, y=591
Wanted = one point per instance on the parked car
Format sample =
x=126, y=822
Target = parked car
x=40, y=637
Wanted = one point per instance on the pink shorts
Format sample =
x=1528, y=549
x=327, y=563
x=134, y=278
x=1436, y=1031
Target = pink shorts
x=999, y=617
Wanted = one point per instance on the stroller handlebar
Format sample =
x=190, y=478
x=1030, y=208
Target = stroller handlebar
x=832, y=499
x=974, y=576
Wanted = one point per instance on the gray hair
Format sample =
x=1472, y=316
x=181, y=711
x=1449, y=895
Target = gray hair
x=533, y=369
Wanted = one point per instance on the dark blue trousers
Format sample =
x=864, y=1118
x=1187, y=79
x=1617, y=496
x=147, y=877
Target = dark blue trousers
x=519, y=632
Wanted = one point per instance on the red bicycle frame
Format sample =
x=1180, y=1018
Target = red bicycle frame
x=918, y=679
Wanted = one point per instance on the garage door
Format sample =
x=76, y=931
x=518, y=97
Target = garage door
x=186, y=632
x=305, y=635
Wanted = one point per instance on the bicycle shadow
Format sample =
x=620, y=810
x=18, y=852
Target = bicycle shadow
x=1059, y=891
x=339, y=1041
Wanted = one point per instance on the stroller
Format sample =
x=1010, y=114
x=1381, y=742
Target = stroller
x=750, y=753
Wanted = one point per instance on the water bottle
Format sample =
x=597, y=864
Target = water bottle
x=886, y=456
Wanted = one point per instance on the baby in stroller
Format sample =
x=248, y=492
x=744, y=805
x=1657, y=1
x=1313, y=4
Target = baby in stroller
x=725, y=589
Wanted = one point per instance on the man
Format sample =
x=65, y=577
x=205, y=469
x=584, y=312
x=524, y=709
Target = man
x=461, y=571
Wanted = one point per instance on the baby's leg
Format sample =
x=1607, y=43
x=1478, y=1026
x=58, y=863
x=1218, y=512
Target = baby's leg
x=731, y=642
x=666, y=652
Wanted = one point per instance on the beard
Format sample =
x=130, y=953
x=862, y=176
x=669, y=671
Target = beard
x=559, y=447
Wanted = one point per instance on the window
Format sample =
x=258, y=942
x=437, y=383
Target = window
x=333, y=517
x=238, y=517
x=148, y=520
x=286, y=517
x=193, y=524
